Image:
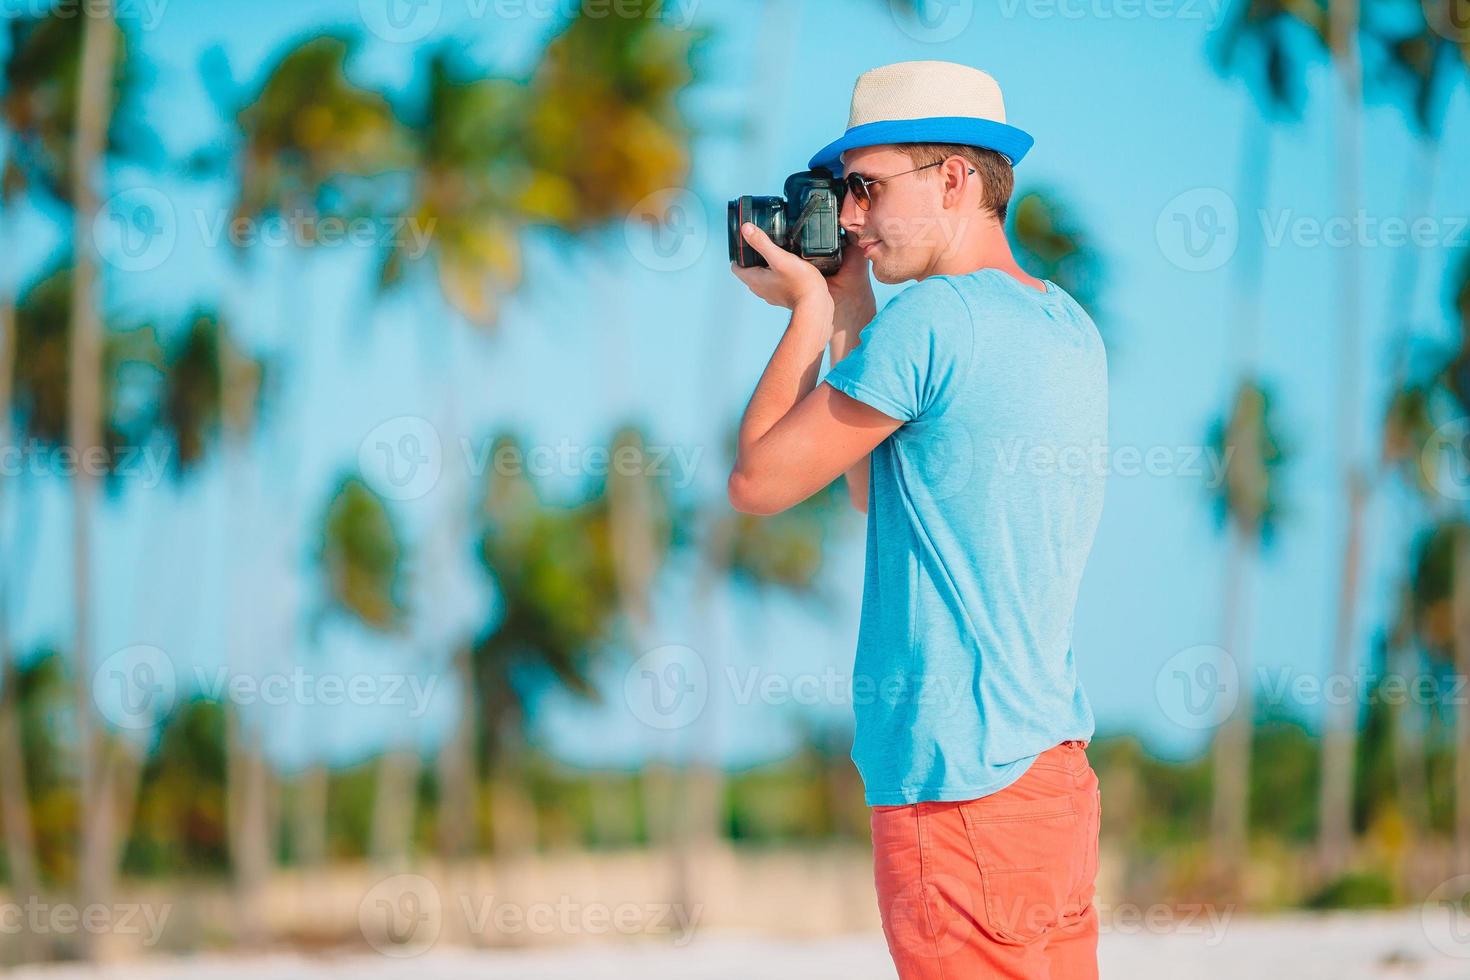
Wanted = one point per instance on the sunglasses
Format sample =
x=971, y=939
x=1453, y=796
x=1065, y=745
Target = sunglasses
x=858, y=186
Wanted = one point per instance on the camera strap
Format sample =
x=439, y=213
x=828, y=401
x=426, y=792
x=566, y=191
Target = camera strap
x=806, y=212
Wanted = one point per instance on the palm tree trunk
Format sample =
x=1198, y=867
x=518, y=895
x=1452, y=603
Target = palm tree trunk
x=1406, y=720
x=15, y=800
x=395, y=804
x=513, y=818
x=1232, y=761
x=15, y=797
x=1341, y=729
x=1461, y=584
x=84, y=407
x=249, y=818
x=459, y=781
x=309, y=836
x=1230, y=816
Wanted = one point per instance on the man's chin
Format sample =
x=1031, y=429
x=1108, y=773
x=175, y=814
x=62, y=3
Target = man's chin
x=886, y=274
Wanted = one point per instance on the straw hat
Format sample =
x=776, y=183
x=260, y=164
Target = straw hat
x=926, y=102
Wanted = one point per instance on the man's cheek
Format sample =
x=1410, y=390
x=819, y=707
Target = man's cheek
x=896, y=230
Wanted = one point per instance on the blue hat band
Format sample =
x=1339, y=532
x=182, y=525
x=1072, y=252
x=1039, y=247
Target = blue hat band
x=965, y=130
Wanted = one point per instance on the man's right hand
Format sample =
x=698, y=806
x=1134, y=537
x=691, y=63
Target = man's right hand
x=851, y=284
x=853, y=305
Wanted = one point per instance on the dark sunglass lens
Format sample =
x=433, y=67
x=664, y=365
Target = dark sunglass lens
x=858, y=188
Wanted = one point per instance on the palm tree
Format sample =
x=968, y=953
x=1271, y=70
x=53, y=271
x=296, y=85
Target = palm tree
x=93, y=104
x=1439, y=589
x=782, y=554
x=66, y=103
x=305, y=132
x=557, y=596
x=361, y=558
x=495, y=155
x=468, y=173
x=1263, y=41
x=1248, y=505
x=1420, y=64
x=1339, y=746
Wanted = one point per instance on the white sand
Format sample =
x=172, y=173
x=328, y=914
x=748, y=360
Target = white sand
x=1336, y=947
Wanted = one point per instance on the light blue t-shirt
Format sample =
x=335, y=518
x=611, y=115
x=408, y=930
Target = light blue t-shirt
x=982, y=510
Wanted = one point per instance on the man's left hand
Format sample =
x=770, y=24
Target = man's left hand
x=787, y=278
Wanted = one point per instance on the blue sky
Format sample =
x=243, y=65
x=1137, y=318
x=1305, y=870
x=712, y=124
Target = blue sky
x=1128, y=115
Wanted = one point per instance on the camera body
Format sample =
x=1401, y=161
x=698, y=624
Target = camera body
x=804, y=221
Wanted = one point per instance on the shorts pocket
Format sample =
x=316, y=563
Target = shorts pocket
x=1027, y=856
x=1087, y=885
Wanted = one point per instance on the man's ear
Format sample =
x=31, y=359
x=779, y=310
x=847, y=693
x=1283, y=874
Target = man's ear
x=956, y=170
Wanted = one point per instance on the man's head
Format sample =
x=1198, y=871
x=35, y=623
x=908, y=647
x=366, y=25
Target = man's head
x=936, y=194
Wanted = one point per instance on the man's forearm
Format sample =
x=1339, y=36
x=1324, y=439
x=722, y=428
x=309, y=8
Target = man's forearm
x=791, y=373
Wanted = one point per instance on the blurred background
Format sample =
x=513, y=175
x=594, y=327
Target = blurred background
x=369, y=597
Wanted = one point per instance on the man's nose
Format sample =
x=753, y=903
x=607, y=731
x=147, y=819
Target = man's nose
x=848, y=216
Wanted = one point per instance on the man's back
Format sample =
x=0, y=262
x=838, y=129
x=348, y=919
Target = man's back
x=982, y=511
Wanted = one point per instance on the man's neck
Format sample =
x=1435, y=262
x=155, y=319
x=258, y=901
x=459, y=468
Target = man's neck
x=983, y=245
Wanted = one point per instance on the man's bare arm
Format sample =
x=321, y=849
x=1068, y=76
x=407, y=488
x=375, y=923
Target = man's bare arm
x=796, y=438
x=849, y=318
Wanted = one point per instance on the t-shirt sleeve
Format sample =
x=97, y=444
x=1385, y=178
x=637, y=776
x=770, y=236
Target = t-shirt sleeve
x=913, y=355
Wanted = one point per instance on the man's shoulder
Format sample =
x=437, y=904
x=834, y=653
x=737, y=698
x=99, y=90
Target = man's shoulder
x=931, y=298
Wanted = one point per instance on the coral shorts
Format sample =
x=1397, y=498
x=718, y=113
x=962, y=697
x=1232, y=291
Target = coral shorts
x=1000, y=886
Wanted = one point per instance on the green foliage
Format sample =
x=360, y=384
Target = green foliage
x=193, y=401
x=494, y=155
x=180, y=825
x=1051, y=244
x=1355, y=890
x=308, y=127
x=469, y=173
x=1284, y=34
x=38, y=104
x=553, y=570
x=1285, y=772
x=1423, y=59
x=785, y=550
x=41, y=405
x=45, y=707
x=350, y=794
x=1251, y=493
x=597, y=149
x=360, y=553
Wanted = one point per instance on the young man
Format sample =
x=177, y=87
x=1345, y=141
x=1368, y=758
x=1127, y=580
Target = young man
x=969, y=418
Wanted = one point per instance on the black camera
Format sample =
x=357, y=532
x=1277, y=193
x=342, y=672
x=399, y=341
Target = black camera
x=804, y=221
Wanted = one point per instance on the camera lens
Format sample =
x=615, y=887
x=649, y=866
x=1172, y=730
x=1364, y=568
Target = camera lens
x=767, y=214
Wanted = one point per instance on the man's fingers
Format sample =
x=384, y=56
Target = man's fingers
x=761, y=242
